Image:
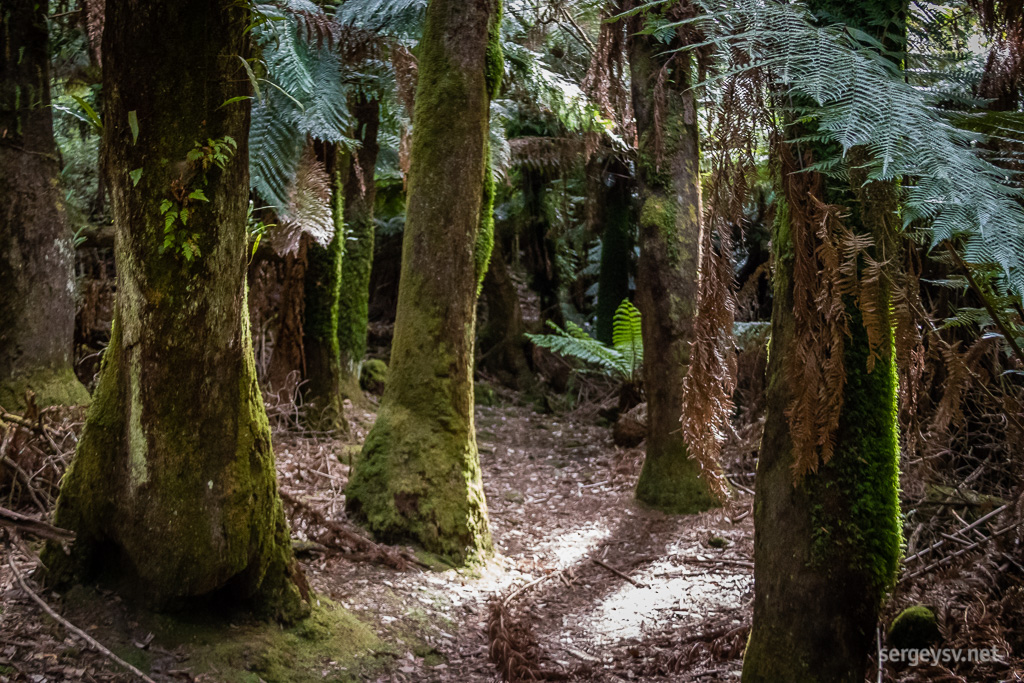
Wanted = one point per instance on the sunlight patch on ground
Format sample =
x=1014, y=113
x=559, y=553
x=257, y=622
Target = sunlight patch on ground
x=572, y=546
x=672, y=593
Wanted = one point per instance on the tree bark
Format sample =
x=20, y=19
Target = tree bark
x=503, y=340
x=670, y=225
x=612, y=195
x=418, y=476
x=827, y=545
x=173, y=487
x=322, y=354
x=360, y=194
x=37, y=309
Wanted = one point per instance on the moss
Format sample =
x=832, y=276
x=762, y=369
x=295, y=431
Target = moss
x=373, y=376
x=484, y=395
x=322, y=390
x=914, y=628
x=484, y=244
x=672, y=484
x=50, y=386
x=418, y=479
x=330, y=644
x=495, y=65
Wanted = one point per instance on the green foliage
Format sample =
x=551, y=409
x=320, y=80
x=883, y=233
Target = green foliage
x=187, y=195
x=863, y=99
x=622, y=360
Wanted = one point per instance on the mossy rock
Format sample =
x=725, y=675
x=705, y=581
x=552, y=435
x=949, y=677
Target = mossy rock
x=915, y=628
x=373, y=376
x=484, y=394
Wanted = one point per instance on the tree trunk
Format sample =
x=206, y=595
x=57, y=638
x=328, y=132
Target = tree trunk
x=540, y=250
x=173, y=487
x=360, y=194
x=503, y=342
x=612, y=195
x=37, y=309
x=323, y=367
x=670, y=224
x=826, y=545
x=418, y=476
x=288, y=360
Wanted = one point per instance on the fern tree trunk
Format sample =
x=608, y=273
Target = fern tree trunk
x=668, y=174
x=37, y=308
x=360, y=194
x=173, y=486
x=827, y=546
x=418, y=476
x=323, y=280
x=613, y=213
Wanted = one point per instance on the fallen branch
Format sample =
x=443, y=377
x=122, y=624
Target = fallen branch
x=621, y=575
x=36, y=527
x=370, y=550
x=949, y=558
x=92, y=642
x=981, y=520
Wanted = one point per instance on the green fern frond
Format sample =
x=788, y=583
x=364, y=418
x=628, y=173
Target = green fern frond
x=627, y=337
x=621, y=361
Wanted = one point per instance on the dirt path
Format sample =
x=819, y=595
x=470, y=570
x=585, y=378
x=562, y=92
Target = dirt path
x=561, y=506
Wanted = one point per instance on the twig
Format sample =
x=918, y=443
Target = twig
x=36, y=527
x=973, y=525
x=949, y=558
x=92, y=642
x=514, y=594
x=615, y=571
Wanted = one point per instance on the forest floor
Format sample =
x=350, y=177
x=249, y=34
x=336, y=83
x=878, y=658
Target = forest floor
x=593, y=585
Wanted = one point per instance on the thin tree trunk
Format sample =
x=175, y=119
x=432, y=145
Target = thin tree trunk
x=540, y=250
x=612, y=195
x=173, y=485
x=670, y=224
x=418, y=476
x=360, y=194
x=826, y=545
x=323, y=366
x=503, y=342
x=37, y=309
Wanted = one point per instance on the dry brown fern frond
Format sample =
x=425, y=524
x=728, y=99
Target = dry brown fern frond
x=513, y=648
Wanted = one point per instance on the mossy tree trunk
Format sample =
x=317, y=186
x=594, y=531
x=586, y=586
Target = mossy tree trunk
x=37, y=308
x=360, y=194
x=612, y=196
x=670, y=224
x=827, y=546
x=173, y=487
x=418, y=476
x=322, y=395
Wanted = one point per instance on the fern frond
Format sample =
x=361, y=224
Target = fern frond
x=863, y=100
x=627, y=337
x=308, y=210
x=573, y=342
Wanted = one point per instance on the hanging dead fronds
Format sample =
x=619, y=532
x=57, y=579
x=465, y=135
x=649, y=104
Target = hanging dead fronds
x=546, y=153
x=606, y=82
x=309, y=207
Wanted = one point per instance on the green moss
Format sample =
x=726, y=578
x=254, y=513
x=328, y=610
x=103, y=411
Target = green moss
x=484, y=395
x=51, y=386
x=672, y=484
x=373, y=376
x=330, y=644
x=418, y=479
x=495, y=68
x=914, y=628
x=659, y=212
x=484, y=244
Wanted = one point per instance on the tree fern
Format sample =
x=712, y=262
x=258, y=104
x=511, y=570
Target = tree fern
x=622, y=360
x=950, y=187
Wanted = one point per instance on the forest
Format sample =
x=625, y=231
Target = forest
x=512, y=340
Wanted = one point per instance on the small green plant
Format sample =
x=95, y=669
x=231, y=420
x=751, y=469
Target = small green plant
x=622, y=360
x=256, y=228
x=187, y=192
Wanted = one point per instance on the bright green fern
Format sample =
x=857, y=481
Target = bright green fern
x=622, y=360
